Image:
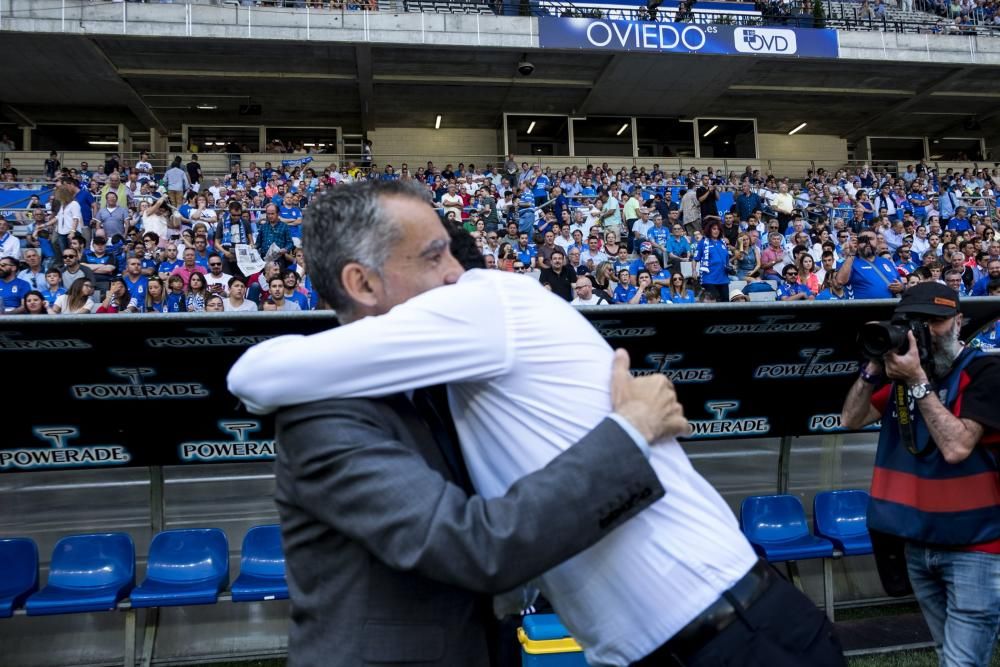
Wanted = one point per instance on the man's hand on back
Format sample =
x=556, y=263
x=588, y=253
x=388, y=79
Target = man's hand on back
x=649, y=403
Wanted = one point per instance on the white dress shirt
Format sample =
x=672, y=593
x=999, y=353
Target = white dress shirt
x=500, y=339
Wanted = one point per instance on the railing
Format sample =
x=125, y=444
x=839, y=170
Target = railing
x=190, y=17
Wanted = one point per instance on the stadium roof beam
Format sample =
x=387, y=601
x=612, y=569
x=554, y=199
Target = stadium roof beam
x=133, y=100
x=210, y=74
x=609, y=67
x=480, y=80
x=17, y=116
x=366, y=86
x=888, y=112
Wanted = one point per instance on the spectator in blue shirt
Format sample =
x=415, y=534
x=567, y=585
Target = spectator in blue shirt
x=790, y=288
x=12, y=288
x=981, y=286
x=870, y=276
x=712, y=255
x=959, y=223
x=678, y=293
x=274, y=232
x=747, y=202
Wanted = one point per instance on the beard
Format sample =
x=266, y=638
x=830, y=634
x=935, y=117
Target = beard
x=867, y=251
x=944, y=350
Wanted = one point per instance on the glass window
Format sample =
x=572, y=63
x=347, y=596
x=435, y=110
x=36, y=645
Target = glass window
x=896, y=148
x=956, y=150
x=602, y=135
x=75, y=137
x=665, y=137
x=720, y=137
x=538, y=135
x=309, y=139
x=224, y=139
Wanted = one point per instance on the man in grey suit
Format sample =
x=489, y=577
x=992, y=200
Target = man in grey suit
x=390, y=561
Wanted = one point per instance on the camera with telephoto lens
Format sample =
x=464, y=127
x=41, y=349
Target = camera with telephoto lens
x=879, y=338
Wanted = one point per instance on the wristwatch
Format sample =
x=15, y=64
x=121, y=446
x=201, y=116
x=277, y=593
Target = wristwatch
x=918, y=391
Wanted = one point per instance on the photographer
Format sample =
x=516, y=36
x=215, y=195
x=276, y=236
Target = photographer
x=935, y=488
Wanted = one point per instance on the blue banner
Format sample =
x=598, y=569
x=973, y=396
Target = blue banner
x=662, y=37
x=10, y=200
x=297, y=162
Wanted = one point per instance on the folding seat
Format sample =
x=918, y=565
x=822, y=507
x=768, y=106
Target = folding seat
x=91, y=572
x=262, y=567
x=776, y=526
x=18, y=573
x=842, y=518
x=185, y=567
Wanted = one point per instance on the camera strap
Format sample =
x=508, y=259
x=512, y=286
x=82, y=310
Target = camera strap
x=907, y=429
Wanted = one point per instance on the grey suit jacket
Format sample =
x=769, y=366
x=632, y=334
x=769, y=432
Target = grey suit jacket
x=388, y=561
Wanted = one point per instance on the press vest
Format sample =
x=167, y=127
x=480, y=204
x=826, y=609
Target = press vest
x=923, y=498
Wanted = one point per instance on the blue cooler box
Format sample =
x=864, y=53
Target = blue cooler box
x=545, y=642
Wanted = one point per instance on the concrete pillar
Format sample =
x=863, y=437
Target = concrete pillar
x=124, y=139
x=25, y=138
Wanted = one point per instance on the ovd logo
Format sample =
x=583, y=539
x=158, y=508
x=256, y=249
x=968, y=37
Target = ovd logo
x=765, y=40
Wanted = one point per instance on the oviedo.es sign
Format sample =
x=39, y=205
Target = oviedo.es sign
x=663, y=37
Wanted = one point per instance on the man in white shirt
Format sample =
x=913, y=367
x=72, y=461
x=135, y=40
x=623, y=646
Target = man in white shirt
x=585, y=294
x=501, y=339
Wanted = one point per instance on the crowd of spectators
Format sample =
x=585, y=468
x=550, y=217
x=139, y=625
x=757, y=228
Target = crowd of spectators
x=592, y=234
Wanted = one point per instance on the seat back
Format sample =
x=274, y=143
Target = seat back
x=18, y=566
x=773, y=518
x=188, y=556
x=841, y=513
x=92, y=561
x=262, y=555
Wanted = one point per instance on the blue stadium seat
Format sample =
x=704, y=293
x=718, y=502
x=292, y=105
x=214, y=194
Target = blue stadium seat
x=18, y=573
x=841, y=517
x=88, y=573
x=185, y=567
x=776, y=526
x=262, y=567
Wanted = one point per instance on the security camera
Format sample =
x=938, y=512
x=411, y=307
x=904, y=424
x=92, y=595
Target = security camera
x=525, y=68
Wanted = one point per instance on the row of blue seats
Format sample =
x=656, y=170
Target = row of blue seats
x=96, y=572
x=777, y=528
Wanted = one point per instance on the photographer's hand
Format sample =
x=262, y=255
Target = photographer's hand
x=906, y=367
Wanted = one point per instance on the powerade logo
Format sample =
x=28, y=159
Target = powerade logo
x=239, y=448
x=660, y=362
x=830, y=423
x=813, y=366
x=615, y=329
x=135, y=389
x=765, y=40
x=61, y=455
x=768, y=324
x=205, y=337
x=11, y=340
x=724, y=426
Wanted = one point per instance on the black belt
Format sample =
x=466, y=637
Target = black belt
x=714, y=619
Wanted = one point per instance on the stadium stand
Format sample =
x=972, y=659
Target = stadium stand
x=921, y=217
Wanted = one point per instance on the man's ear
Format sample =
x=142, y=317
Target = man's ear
x=361, y=284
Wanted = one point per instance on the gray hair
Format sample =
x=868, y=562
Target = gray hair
x=347, y=224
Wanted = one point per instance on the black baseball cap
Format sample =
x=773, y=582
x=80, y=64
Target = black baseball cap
x=929, y=298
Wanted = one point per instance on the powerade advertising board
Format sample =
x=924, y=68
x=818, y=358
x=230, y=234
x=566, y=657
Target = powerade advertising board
x=139, y=390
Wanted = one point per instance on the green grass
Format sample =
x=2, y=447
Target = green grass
x=924, y=658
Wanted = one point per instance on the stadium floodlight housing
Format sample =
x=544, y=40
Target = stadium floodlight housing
x=103, y=143
x=206, y=107
x=437, y=123
x=799, y=127
x=530, y=127
x=710, y=131
x=621, y=129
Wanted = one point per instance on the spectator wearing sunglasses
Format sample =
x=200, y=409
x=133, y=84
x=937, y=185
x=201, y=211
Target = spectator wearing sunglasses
x=790, y=288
